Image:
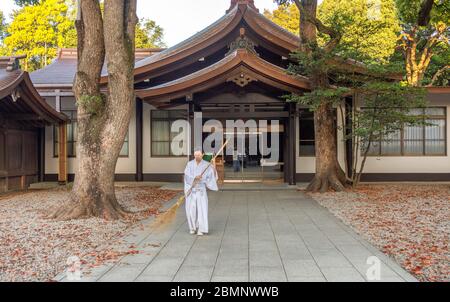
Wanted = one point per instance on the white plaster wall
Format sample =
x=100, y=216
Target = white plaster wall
x=125, y=165
x=412, y=164
x=158, y=165
x=176, y=165
x=51, y=163
x=307, y=164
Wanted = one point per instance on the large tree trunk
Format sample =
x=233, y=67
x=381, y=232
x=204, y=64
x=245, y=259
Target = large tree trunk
x=329, y=173
x=103, y=119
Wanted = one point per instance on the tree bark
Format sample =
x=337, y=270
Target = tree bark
x=103, y=119
x=329, y=173
x=417, y=61
x=308, y=31
x=425, y=12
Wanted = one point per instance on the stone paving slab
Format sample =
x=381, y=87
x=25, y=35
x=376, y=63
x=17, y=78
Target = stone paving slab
x=278, y=235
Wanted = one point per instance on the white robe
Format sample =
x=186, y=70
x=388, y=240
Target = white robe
x=197, y=200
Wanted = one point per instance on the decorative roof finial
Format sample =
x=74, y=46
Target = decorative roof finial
x=250, y=3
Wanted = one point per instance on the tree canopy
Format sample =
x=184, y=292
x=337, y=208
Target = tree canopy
x=411, y=35
x=409, y=11
x=149, y=34
x=286, y=16
x=2, y=26
x=39, y=28
x=369, y=28
x=369, y=31
x=328, y=36
x=424, y=40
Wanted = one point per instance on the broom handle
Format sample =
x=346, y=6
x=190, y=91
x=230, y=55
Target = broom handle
x=207, y=167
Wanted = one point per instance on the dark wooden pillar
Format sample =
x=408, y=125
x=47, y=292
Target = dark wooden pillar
x=191, y=117
x=62, y=154
x=285, y=150
x=348, y=132
x=292, y=144
x=139, y=139
x=41, y=154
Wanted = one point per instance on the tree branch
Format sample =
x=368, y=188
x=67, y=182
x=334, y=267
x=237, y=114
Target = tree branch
x=91, y=47
x=425, y=12
x=335, y=36
x=438, y=74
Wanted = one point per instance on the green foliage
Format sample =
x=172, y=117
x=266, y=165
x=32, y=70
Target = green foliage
x=439, y=67
x=92, y=104
x=408, y=11
x=308, y=64
x=286, y=16
x=39, y=30
x=369, y=27
x=149, y=34
x=3, y=50
x=2, y=26
x=26, y=2
x=426, y=48
x=385, y=108
x=318, y=97
x=369, y=34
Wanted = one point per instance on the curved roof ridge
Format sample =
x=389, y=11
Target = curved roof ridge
x=238, y=58
x=280, y=28
x=193, y=75
x=13, y=79
x=181, y=45
x=225, y=60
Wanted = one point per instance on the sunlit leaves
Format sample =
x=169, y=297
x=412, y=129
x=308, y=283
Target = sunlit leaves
x=149, y=34
x=286, y=16
x=369, y=31
x=39, y=30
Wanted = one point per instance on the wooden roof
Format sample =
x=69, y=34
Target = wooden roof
x=176, y=61
x=241, y=12
x=241, y=66
x=19, y=99
x=61, y=72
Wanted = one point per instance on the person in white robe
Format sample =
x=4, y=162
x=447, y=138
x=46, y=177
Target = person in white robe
x=197, y=198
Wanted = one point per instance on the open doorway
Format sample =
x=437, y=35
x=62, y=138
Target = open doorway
x=246, y=164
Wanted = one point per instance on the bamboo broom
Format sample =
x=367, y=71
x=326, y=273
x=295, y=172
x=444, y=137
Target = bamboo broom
x=169, y=215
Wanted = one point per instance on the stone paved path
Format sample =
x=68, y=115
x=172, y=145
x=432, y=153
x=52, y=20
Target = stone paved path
x=254, y=236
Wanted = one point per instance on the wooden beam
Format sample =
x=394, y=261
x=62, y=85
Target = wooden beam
x=191, y=113
x=245, y=115
x=54, y=94
x=348, y=132
x=286, y=165
x=24, y=117
x=62, y=156
x=58, y=100
x=292, y=144
x=139, y=140
x=41, y=154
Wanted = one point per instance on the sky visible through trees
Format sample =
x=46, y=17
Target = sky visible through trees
x=177, y=26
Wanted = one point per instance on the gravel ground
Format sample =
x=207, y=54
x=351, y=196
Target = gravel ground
x=33, y=248
x=411, y=223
